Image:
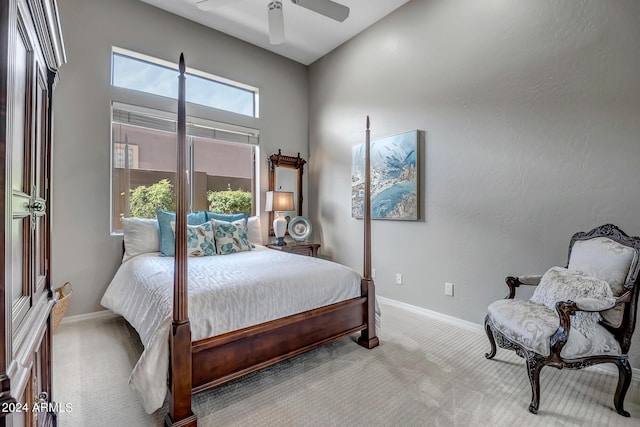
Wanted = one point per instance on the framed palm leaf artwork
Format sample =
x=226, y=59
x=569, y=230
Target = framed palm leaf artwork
x=394, y=178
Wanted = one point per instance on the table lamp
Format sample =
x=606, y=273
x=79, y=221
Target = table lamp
x=279, y=202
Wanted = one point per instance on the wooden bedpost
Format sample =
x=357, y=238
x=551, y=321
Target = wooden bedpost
x=180, y=413
x=368, y=336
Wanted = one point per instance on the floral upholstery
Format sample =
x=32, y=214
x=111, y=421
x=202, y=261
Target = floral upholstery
x=608, y=260
x=531, y=325
x=524, y=322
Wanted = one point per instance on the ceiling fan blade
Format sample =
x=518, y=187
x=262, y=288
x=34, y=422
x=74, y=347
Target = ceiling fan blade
x=208, y=5
x=276, y=22
x=328, y=8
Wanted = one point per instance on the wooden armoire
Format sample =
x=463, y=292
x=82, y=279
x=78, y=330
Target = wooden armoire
x=31, y=51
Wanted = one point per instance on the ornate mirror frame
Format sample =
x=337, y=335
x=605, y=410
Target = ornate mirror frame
x=281, y=161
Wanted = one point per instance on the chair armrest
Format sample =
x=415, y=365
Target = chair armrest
x=625, y=297
x=567, y=308
x=594, y=304
x=559, y=338
x=531, y=279
x=514, y=282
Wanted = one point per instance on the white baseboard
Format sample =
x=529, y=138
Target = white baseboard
x=104, y=314
x=433, y=314
x=476, y=327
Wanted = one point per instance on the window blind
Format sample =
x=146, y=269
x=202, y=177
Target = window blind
x=203, y=129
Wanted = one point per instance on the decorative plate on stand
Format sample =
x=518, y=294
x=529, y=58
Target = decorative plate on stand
x=299, y=228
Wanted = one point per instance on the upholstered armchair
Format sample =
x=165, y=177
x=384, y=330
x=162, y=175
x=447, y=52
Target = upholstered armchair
x=578, y=316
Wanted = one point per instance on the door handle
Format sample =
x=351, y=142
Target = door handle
x=37, y=206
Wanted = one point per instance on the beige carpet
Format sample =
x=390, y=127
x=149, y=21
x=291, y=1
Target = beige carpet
x=425, y=373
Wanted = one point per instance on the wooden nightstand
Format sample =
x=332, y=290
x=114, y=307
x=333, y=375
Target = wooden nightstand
x=307, y=249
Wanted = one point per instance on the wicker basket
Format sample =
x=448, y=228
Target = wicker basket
x=62, y=295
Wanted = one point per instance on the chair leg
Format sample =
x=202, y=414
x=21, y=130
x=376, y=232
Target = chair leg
x=492, y=341
x=533, y=369
x=624, y=380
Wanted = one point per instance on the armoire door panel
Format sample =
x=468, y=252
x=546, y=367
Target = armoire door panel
x=41, y=170
x=41, y=130
x=17, y=267
x=31, y=51
x=39, y=263
x=20, y=115
x=20, y=270
x=42, y=385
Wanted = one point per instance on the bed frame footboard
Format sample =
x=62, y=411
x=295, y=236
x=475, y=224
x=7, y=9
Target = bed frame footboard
x=225, y=357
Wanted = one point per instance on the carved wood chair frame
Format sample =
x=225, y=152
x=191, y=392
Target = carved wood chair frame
x=535, y=362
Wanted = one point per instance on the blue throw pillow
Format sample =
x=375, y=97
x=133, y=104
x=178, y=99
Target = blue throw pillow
x=227, y=217
x=167, y=238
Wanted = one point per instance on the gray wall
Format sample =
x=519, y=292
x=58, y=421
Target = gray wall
x=531, y=111
x=83, y=250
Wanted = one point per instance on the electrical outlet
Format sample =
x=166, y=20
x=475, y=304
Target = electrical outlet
x=398, y=279
x=373, y=273
x=448, y=289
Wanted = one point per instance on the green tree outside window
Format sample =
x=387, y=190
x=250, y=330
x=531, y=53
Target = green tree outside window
x=145, y=200
x=230, y=201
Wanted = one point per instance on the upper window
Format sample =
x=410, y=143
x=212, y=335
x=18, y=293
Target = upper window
x=139, y=72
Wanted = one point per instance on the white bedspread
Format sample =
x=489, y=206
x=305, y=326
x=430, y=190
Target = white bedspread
x=226, y=293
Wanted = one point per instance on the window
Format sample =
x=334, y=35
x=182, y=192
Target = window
x=220, y=160
x=142, y=73
x=221, y=155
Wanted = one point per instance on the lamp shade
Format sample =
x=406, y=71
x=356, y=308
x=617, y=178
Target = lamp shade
x=279, y=201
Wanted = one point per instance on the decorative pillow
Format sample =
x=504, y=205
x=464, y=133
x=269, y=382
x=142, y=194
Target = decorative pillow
x=603, y=258
x=608, y=260
x=141, y=236
x=231, y=237
x=226, y=217
x=167, y=238
x=561, y=284
x=255, y=232
x=200, y=240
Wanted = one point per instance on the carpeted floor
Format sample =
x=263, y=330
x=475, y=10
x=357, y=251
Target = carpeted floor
x=425, y=373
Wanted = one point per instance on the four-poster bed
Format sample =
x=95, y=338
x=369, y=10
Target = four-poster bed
x=196, y=363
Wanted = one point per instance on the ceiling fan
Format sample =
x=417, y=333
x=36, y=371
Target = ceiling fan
x=327, y=8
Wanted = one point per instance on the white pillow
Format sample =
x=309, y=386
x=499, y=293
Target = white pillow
x=141, y=236
x=561, y=284
x=254, y=232
x=603, y=258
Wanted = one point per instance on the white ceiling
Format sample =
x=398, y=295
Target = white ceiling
x=308, y=35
